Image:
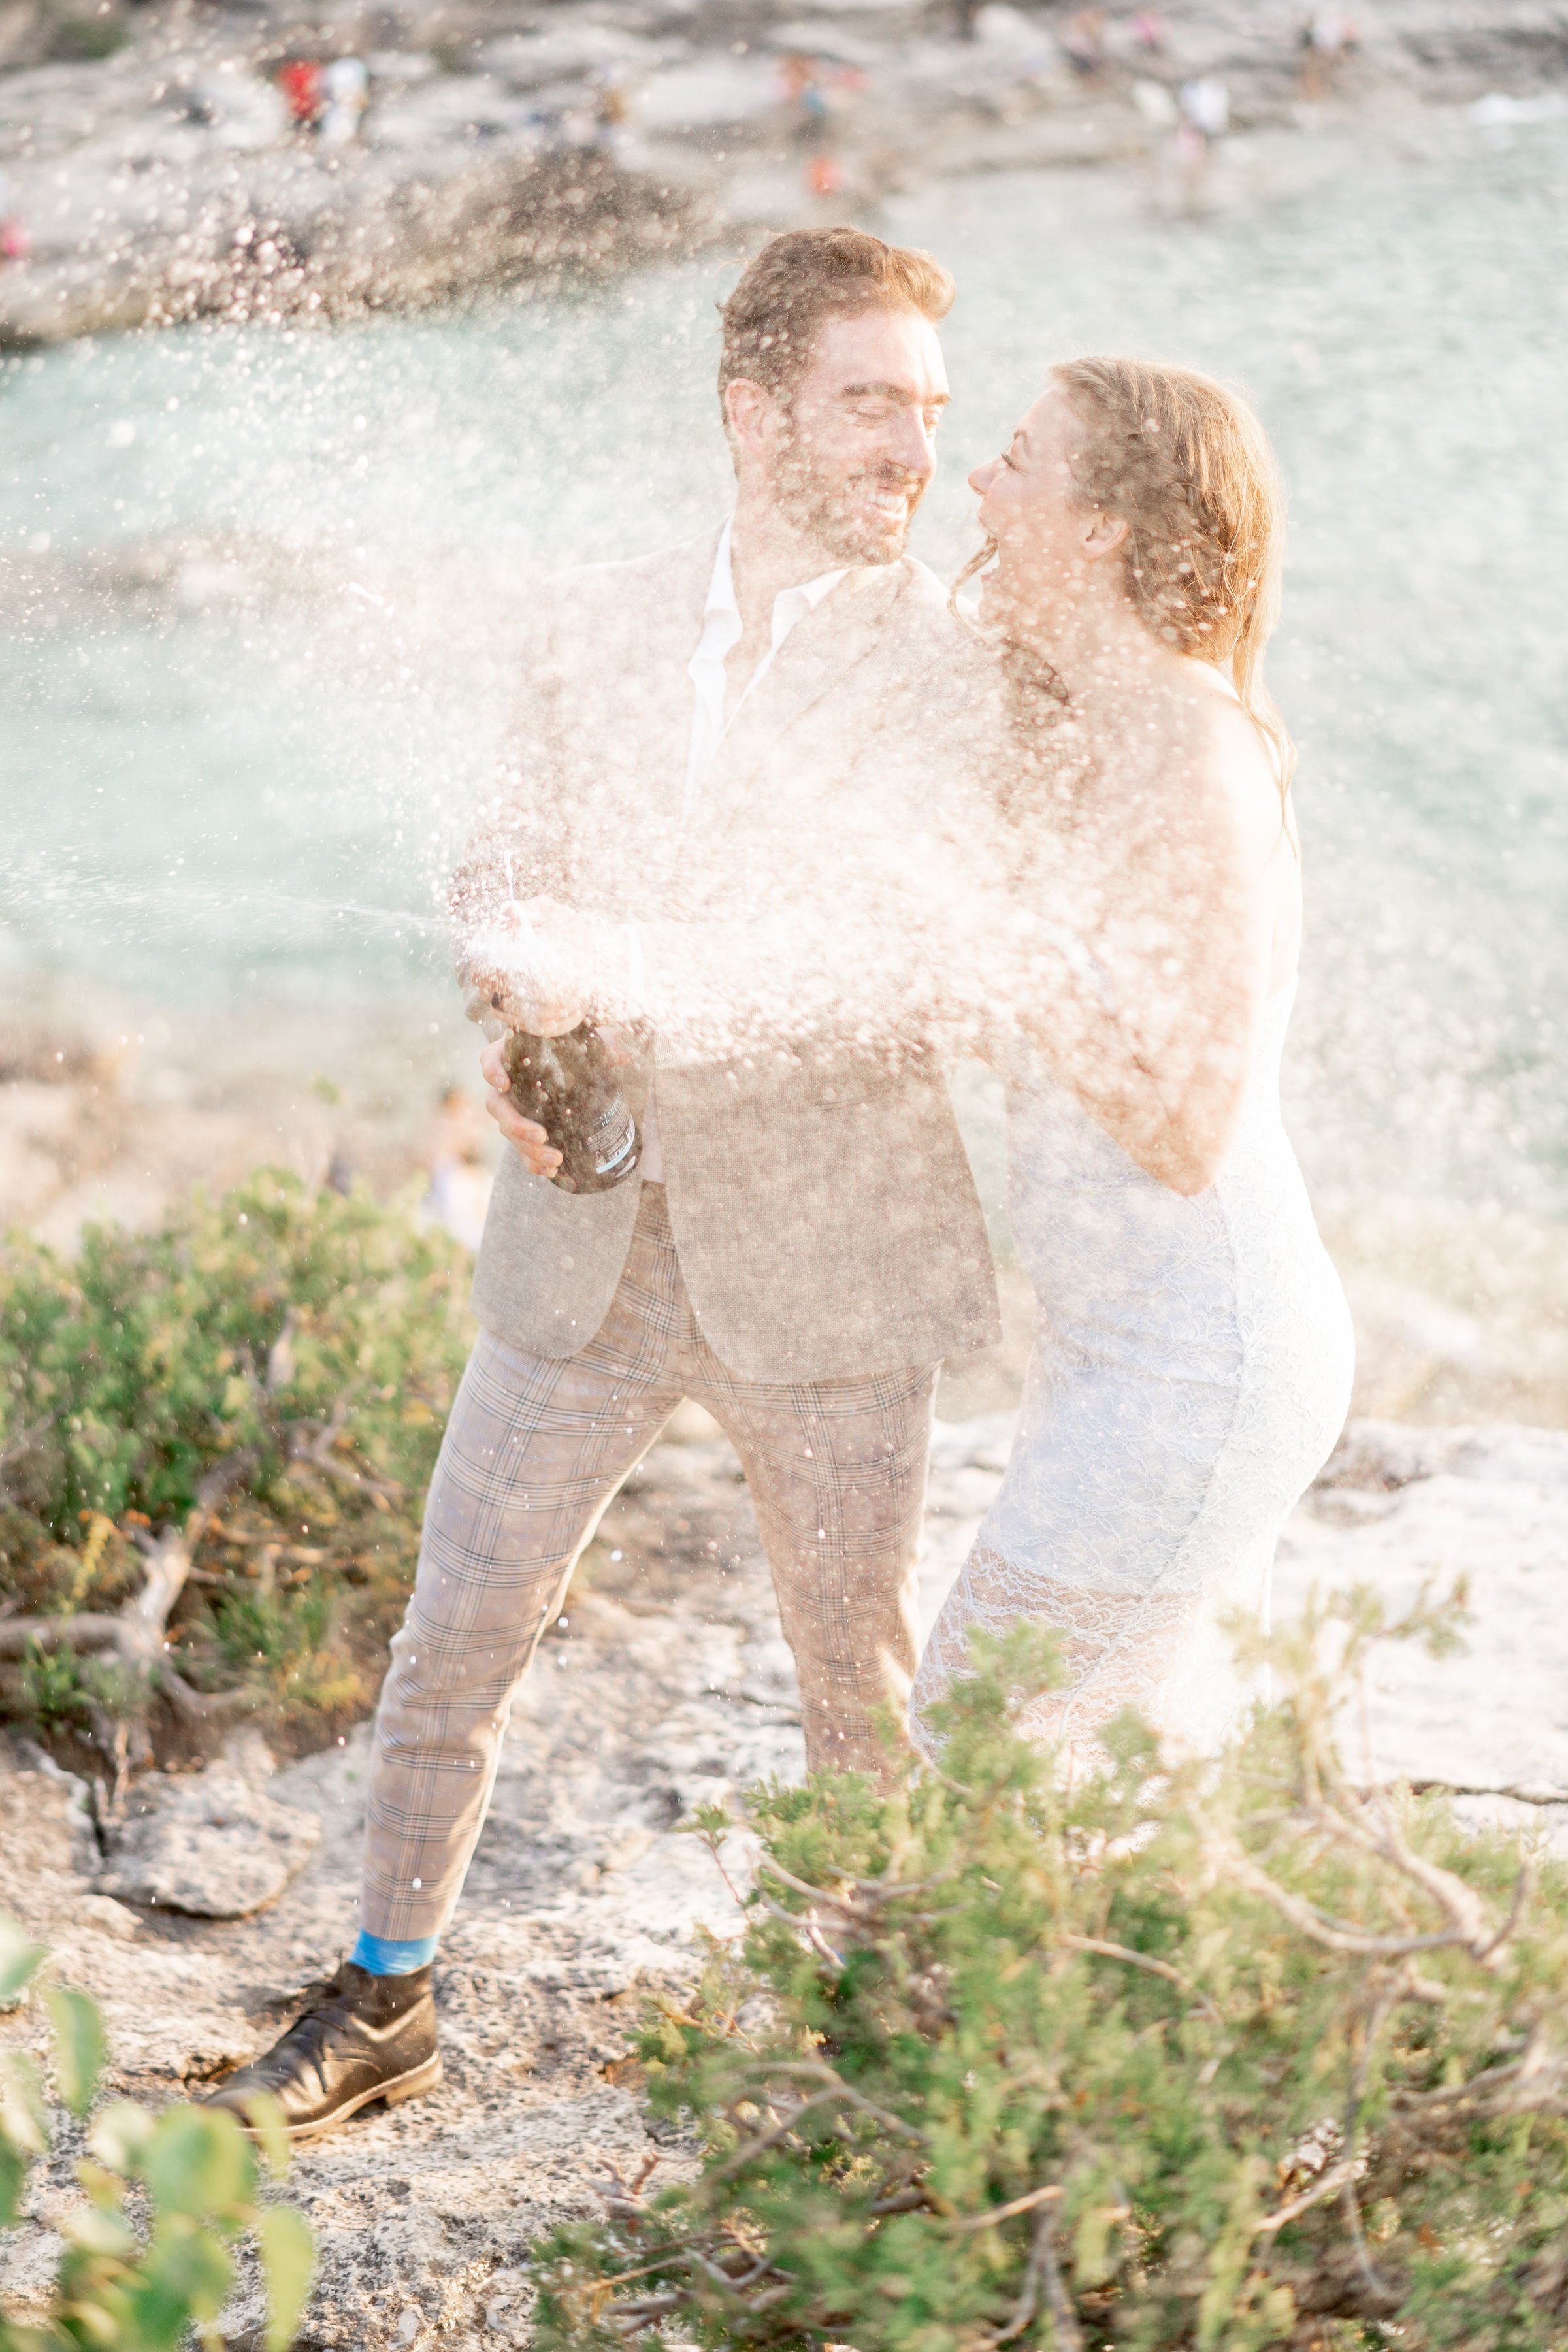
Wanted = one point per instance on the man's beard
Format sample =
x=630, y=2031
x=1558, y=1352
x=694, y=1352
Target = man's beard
x=832, y=508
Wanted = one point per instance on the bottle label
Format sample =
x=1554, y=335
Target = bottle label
x=613, y=1137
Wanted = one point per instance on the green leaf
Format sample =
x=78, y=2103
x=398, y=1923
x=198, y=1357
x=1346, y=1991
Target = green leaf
x=14, y=2338
x=23, y=2129
x=105, y=2190
x=13, y=2170
x=19, y=1958
x=288, y=2264
x=708, y=1820
x=186, y=2274
x=119, y=2137
x=80, y=2045
x=265, y=2118
x=98, y=2233
x=198, y=2162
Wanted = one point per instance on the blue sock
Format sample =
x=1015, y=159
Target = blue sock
x=383, y=1957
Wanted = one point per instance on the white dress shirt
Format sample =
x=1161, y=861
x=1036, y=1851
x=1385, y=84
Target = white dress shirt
x=722, y=633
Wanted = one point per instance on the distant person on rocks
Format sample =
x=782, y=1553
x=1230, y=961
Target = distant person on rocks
x=301, y=81
x=15, y=243
x=766, y=733
x=1083, y=39
x=345, y=92
x=612, y=110
x=460, y=1178
x=1203, y=117
x=804, y=83
x=1327, y=37
x=1205, y=105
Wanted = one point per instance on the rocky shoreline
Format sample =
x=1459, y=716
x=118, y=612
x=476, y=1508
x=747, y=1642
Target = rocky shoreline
x=153, y=168
x=665, y=1683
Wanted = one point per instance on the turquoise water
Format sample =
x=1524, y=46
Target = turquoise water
x=348, y=521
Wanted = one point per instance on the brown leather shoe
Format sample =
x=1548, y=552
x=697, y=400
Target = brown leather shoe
x=366, y=2038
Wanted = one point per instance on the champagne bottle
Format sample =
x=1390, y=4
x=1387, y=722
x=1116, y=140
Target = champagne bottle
x=569, y=1086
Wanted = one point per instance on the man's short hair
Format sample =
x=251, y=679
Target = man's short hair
x=807, y=275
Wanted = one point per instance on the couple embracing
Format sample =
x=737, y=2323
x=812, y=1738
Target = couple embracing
x=794, y=831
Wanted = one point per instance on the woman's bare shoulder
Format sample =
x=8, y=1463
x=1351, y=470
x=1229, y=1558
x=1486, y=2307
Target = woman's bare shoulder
x=1184, y=784
x=1227, y=766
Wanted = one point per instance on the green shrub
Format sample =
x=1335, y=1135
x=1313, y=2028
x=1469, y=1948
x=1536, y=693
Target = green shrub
x=86, y=40
x=1212, y=2056
x=117, y=2289
x=54, y=1687
x=307, y=1343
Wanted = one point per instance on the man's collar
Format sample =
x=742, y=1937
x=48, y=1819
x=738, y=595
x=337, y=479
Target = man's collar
x=813, y=591
x=722, y=587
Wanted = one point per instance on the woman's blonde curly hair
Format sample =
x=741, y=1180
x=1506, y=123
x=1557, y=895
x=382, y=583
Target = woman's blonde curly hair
x=1185, y=463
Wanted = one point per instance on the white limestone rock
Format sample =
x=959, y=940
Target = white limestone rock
x=1400, y=1507
x=210, y=1845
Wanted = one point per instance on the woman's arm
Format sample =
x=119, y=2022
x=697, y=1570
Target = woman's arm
x=1169, y=878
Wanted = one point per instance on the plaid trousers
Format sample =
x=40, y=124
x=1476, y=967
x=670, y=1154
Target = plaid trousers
x=535, y=1450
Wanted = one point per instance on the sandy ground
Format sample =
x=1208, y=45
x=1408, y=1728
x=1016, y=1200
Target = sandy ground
x=666, y=1683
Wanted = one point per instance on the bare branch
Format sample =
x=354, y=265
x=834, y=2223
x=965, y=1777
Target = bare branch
x=803, y=1887
x=816, y=2071
x=1042, y=2274
x=1376, y=2286
x=771, y=2138
x=315, y=1452
x=1334, y=1935
x=136, y=1634
x=90, y=1631
x=1142, y=1961
x=1058, y=2302
x=199, y=1707
x=1480, y=2092
x=965, y=2223
x=1463, y=1907
x=1328, y=2184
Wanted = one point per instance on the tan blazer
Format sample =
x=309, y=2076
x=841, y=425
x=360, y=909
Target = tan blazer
x=819, y=1193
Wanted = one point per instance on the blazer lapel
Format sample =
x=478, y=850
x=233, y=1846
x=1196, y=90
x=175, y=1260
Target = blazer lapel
x=627, y=699
x=818, y=653
x=667, y=635
x=645, y=674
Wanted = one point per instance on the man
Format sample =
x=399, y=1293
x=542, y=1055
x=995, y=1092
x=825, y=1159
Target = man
x=739, y=762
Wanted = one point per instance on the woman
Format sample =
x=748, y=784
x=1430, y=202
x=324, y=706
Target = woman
x=1192, y=1365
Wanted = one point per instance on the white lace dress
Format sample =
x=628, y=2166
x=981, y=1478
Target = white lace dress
x=1191, y=1373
